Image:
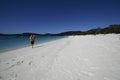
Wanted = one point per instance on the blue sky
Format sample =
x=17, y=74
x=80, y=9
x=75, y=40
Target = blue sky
x=54, y=16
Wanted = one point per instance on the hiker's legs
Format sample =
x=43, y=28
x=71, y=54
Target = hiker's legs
x=32, y=43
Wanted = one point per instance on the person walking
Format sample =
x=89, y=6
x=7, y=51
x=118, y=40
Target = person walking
x=32, y=40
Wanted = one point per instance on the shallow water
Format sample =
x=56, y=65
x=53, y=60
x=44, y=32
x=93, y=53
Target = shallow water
x=12, y=42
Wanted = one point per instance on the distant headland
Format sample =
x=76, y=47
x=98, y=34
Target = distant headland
x=114, y=28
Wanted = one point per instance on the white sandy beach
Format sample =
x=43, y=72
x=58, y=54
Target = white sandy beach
x=87, y=57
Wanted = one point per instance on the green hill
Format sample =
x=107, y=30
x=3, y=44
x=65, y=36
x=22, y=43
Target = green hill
x=115, y=28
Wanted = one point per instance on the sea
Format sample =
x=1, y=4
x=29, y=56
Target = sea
x=8, y=43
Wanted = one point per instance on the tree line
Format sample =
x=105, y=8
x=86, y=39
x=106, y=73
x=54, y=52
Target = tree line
x=110, y=29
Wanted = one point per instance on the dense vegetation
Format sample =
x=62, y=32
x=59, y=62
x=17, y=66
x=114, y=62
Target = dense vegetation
x=110, y=29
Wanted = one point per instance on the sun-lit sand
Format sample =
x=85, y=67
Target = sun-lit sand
x=90, y=57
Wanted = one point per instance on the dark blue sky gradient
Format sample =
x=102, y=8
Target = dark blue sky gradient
x=54, y=16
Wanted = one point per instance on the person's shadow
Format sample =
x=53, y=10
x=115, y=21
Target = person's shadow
x=38, y=46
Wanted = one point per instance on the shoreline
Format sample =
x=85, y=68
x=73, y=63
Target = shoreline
x=90, y=57
x=23, y=49
x=20, y=47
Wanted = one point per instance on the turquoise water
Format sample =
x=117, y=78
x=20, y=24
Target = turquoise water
x=10, y=43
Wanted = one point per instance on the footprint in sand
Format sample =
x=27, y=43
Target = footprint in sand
x=16, y=64
x=30, y=63
x=7, y=63
x=1, y=78
x=19, y=62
